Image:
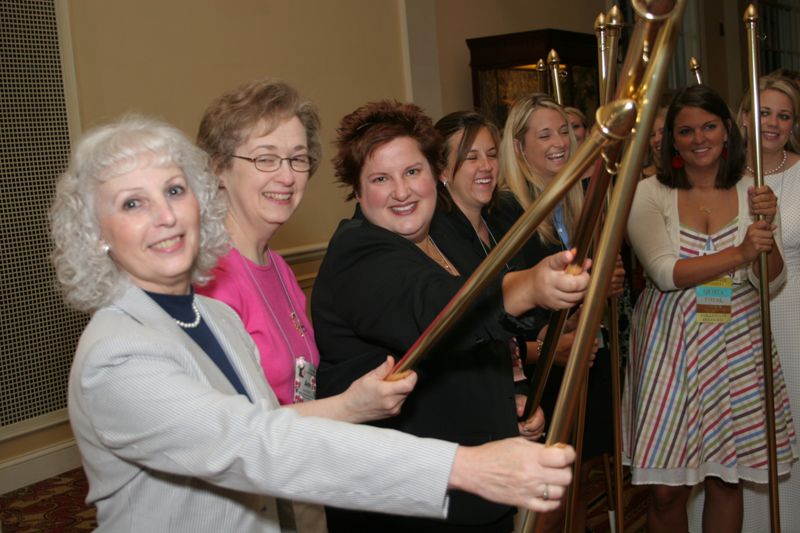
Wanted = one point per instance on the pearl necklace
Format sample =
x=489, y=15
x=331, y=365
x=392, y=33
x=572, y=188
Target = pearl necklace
x=774, y=170
x=194, y=323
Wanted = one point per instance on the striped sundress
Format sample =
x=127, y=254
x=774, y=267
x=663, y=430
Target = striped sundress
x=693, y=391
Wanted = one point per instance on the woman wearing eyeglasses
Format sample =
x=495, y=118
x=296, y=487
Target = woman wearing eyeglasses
x=263, y=142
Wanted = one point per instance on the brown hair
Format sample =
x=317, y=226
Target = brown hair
x=230, y=119
x=705, y=98
x=375, y=124
x=470, y=123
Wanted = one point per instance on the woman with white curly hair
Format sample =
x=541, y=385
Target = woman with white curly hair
x=176, y=425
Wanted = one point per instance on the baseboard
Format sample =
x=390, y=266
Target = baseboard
x=41, y=464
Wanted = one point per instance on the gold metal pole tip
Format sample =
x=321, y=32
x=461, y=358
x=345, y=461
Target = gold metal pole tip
x=614, y=17
x=600, y=22
x=552, y=57
x=751, y=13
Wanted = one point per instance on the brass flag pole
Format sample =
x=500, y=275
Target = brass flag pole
x=647, y=92
x=614, y=23
x=751, y=25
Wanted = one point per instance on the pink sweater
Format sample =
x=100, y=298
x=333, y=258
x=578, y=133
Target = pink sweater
x=256, y=294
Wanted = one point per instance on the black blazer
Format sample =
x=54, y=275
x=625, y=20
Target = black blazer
x=375, y=294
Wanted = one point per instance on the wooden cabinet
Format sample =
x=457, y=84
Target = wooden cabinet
x=504, y=68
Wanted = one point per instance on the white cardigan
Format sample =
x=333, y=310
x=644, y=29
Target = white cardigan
x=654, y=232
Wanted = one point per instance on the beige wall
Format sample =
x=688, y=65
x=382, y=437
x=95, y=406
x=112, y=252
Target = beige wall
x=170, y=58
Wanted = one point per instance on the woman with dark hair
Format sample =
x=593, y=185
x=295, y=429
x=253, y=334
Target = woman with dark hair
x=388, y=272
x=693, y=409
x=480, y=214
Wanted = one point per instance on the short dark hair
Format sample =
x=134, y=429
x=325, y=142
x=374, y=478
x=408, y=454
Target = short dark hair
x=707, y=99
x=375, y=124
x=471, y=123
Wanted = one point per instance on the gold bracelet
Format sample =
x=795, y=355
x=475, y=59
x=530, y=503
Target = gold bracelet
x=540, y=344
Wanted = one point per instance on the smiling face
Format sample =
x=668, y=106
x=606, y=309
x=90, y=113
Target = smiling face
x=699, y=137
x=397, y=190
x=546, y=142
x=578, y=128
x=657, y=133
x=777, y=120
x=260, y=202
x=472, y=185
x=151, y=221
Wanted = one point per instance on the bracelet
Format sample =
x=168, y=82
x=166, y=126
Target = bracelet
x=540, y=344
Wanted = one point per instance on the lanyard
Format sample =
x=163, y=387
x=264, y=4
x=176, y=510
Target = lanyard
x=560, y=225
x=492, y=240
x=301, y=330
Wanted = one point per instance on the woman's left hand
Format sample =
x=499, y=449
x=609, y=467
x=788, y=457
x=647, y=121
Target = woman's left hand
x=617, y=278
x=533, y=428
x=762, y=201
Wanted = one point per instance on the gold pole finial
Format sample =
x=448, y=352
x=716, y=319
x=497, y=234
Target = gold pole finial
x=694, y=67
x=555, y=76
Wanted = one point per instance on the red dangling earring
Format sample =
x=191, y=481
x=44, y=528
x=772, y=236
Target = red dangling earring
x=725, y=151
x=677, y=161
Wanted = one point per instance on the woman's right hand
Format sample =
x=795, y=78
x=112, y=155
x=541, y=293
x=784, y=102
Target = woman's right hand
x=514, y=472
x=556, y=285
x=760, y=237
x=549, y=284
x=372, y=397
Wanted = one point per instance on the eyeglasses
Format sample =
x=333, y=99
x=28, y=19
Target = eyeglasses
x=271, y=162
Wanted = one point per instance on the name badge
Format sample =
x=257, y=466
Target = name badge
x=714, y=301
x=305, y=380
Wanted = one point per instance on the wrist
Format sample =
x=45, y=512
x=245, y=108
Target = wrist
x=458, y=475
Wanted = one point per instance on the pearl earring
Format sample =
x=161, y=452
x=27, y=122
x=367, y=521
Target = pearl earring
x=105, y=248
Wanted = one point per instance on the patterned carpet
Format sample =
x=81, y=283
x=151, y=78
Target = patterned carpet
x=56, y=505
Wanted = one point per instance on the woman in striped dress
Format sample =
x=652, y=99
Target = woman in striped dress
x=693, y=397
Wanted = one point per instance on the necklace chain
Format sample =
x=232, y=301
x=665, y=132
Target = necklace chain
x=194, y=323
x=774, y=170
x=492, y=240
x=444, y=262
x=298, y=326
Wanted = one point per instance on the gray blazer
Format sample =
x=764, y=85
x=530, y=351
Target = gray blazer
x=168, y=445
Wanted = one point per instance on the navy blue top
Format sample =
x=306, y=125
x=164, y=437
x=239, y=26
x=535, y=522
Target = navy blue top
x=179, y=307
